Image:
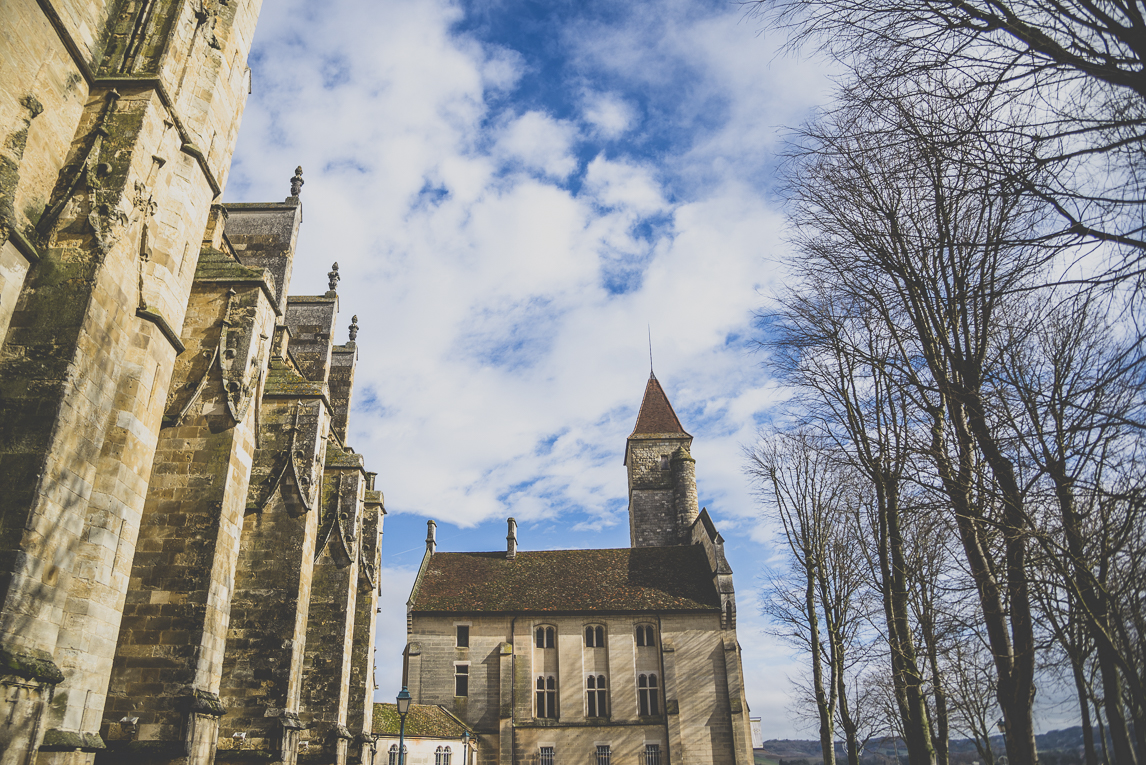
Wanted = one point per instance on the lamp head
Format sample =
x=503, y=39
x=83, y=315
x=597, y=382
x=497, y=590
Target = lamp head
x=403, y=701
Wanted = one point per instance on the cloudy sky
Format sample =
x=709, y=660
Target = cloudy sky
x=518, y=193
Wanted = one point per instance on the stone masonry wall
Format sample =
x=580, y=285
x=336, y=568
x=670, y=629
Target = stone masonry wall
x=653, y=517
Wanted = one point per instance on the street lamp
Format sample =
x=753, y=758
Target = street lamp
x=466, y=747
x=403, y=709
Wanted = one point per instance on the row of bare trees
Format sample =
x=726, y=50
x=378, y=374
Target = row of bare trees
x=961, y=485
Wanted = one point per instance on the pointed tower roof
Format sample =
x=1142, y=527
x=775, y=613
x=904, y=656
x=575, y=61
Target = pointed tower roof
x=657, y=415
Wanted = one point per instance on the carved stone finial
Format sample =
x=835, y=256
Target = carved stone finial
x=296, y=182
x=353, y=327
x=333, y=276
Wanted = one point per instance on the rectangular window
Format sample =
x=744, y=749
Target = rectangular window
x=648, y=697
x=546, y=755
x=546, y=697
x=595, y=702
x=652, y=754
x=461, y=679
x=602, y=754
x=463, y=636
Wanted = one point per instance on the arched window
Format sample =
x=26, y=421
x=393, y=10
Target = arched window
x=648, y=695
x=646, y=636
x=438, y=756
x=546, y=697
x=442, y=756
x=393, y=754
x=595, y=691
x=594, y=637
x=546, y=637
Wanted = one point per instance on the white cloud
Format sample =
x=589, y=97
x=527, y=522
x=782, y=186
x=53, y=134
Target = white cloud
x=503, y=291
x=540, y=143
x=609, y=114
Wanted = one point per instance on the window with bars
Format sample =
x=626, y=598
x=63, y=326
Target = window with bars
x=647, y=695
x=646, y=635
x=461, y=679
x=652, y=754
x=546, y=637
x=602, y=754
x=594, y=637
x=546, y=755
x=546, y=697
x=595, y=690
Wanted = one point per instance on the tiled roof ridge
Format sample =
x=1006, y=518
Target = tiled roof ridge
x=656, y=414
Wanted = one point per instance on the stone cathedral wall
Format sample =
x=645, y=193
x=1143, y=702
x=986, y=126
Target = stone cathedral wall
x=188, y=546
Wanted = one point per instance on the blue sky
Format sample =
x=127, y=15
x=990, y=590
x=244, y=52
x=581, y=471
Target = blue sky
x=518, y=193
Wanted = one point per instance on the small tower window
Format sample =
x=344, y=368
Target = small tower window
x=546, y=637
x=461, y=679
x=664, y=462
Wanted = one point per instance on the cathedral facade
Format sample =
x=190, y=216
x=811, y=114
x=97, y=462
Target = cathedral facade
x=189, y=547
x=602, y=656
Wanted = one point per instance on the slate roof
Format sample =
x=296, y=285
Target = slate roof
x=656, y=415
x=624, y=579
x=423, y=720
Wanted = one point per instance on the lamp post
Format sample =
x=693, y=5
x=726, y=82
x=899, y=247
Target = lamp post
x=403, y=709
x=466, y=748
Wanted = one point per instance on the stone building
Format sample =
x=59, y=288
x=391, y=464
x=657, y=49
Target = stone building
x=432, y=736
x=189, y=548
x=619, y=657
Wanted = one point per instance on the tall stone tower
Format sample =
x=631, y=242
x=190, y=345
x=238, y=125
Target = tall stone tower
x=662, y=474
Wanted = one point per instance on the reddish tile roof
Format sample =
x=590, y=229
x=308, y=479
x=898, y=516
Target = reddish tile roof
x=656, y=415
x=625, y=579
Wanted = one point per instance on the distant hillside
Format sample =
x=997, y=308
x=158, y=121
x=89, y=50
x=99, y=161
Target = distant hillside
x=1065, y=744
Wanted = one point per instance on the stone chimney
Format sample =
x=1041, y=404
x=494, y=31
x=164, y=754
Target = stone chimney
x=511, y=540
x=431, y=542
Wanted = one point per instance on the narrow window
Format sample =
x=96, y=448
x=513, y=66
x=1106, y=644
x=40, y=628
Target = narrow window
x=393, y=754
x=546, y=697
x=438, y=756
x=461, y=679
x=602, y=754
x=652, y=754
x=595, y=688
x=545, y=637
x=546, y=755
x=600, y=637
x=648, y=697
x=463, y=636
x=589, y=637
x=446, y=756
x=664, y=462
x=640, y=635
x=728, y=615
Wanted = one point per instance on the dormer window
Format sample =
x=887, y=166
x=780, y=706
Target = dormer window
x=594, y=637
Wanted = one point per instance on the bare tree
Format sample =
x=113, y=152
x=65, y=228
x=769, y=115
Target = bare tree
x=808, y=492
x=1074, y=72
x=894, y=214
